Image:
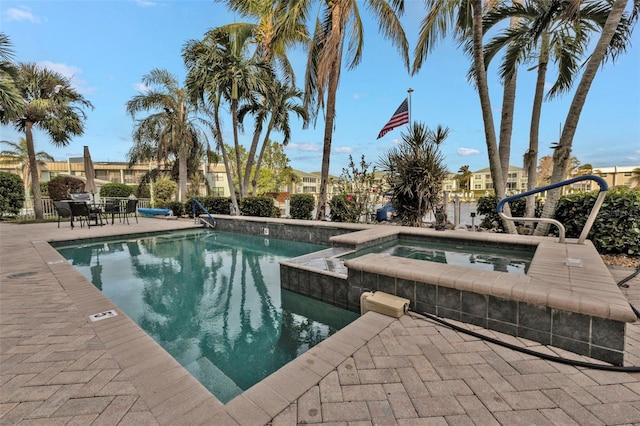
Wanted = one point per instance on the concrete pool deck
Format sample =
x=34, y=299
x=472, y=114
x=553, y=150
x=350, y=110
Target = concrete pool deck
x=58, y=367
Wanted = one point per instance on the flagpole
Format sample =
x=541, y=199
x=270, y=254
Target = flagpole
x=410, y=90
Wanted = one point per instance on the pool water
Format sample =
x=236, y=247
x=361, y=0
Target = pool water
x=212, y=300
x=513, y=260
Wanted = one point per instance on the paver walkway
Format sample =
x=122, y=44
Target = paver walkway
x=57, y=367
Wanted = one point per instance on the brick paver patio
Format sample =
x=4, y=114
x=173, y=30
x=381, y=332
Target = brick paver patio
x=57, y=367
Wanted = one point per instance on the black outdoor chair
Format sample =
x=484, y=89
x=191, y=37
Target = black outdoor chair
x=131, y=207
x=80, y=210
x=111, y=208
x=63, y=211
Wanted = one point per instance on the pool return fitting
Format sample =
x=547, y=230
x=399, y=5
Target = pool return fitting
x=561, y=231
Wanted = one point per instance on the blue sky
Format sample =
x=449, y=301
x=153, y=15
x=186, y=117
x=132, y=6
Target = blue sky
x=107, y=46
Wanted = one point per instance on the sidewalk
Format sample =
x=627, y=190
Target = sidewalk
x=57, y=367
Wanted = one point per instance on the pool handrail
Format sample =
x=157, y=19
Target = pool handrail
x=199, y=204
x=561, y=230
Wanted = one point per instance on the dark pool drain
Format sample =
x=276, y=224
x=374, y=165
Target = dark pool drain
x=21, y=274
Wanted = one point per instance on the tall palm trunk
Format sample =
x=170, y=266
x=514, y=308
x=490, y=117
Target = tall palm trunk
x=256, y=174
x=506, y=125
x=225, y=159
x=485, y=104
x=328, y=132
x=183, y=152
x=531, y=156
x=249, y=165
x=561, y=156
x=236, y=143
x=33, y=170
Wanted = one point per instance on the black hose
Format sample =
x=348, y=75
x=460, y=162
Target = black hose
x=630, y=277
x=558, y=359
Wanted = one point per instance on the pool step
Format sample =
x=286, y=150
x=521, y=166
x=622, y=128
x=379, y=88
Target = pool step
x=214, y=379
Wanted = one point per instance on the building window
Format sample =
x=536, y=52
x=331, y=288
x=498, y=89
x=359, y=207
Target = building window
x=308, y=180
x=477, y=186
x=627, y=174
x=478, y=177
x=489, y=185
x=217, y=192
x=309, y=189
x=512, y=176
x=603, y=175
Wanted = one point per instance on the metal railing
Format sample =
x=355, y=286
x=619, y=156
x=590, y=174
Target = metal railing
x=561, y=230
x=197, y=218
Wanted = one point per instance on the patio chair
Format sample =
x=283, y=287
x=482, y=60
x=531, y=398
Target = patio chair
x=81, y=196
x=63, y=211
x=80, y=210
x=131, y=207
x=111, y=208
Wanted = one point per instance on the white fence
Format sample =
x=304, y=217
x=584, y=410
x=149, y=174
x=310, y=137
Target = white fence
x=27, y=212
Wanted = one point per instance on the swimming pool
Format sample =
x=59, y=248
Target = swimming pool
x=212, y=300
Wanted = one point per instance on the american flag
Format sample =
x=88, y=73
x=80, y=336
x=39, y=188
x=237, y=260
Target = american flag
x=400, y=117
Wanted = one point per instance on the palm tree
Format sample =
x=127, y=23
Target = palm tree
x=281, y=25
x=544, y=29
x=168, y=130
x=11, y=101
x=52, y=105
x=562, y=154
x=18, y=153
x=464, y=176
x=277, y=104
x=219, y=69
x=465, y=17
x=340, y=22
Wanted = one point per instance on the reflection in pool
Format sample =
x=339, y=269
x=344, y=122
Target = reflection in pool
x=212, y=300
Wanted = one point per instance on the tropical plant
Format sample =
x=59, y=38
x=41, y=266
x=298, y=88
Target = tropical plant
x=257, y=206
x=562, y=152
x=11, y=193
x=276, y=104
x=465, y=17
x=545, y=31
x=339, y=22
x=50, y=104
x=10, y=99
x=168, y=132
x=218, y=70
x=18, y=154
x=280, y=26
x=464, y=177
x=357, y=193
x=274, y=171
x=415, y=173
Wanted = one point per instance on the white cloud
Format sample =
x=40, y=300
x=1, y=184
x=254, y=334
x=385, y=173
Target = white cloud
x=71, y=72
x=308, y=147
x=464, y=152
x=356, y=96
x=633, y=159
x=141, y=87
x=637, y=151
x=21, y=14
x=343, y=150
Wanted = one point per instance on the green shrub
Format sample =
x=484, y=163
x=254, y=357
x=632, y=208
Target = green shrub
x=61, y=187
x=11, y=193
x=141, y=191
x=487, y=206
x=257, y=206
x=214, y=205
x=301, y=206
x=176, y=207
x=339, y=208
x=616, y=229
x=164, y=192
x=115, y=189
